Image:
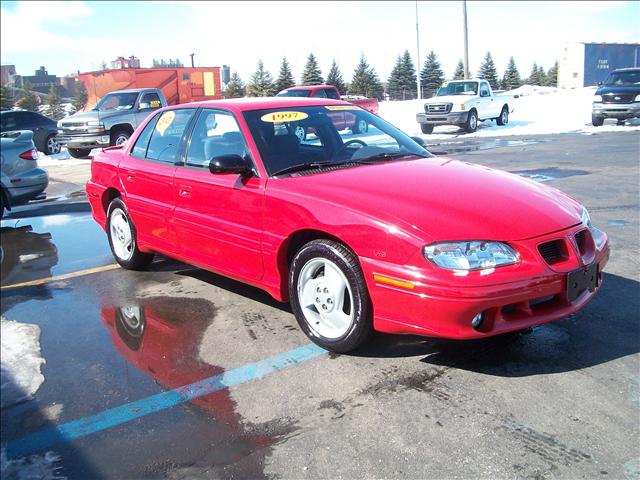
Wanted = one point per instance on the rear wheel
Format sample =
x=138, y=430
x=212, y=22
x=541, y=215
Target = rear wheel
x=79, y=152
x=122, y=238
x=329, y=296
x=51, y=145
x=472, y=122
x=300, y=132
x=426, y=128
x=621, y=121
x=503, y=119
x=597, y=121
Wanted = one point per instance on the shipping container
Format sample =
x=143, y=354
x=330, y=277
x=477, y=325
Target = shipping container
x=586, y=64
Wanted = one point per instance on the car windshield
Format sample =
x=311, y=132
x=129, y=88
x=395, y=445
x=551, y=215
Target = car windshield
x=117, y=101
x=631, y=77
x=316, y=137
x=294, y=93
x=458, y=88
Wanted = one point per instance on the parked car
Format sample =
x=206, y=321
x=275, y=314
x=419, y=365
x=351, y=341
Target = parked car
x=341, y=119
x=44, y=129
x=464, y=103
x=20, y=178
x=358, y=234
x=618, y=97
x=110, y=122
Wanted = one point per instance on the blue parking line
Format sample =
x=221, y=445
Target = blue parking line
x=48, y=437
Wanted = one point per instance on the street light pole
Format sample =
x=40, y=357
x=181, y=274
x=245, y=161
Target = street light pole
x=466, y=41
x=418, y=52
x=192, y=64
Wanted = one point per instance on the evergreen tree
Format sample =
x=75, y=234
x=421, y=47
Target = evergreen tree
x=285, y=78
x=54, y=104
x=81, y=97
x=29, y=100
x=312, y=74
x=6, y=98
x=335, y=78
x=394, y=83
x=542, y=76
x=402, y=83
x=511, y=78
x=261, y=83
x=431, y=76
x=552, y=75
x=235, y=88
x=488, y=71
x=365, y=81
x=459, y=73
x=535, y=78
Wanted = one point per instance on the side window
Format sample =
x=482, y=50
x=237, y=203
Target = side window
x=139, y=150
x=484, y=90
x=320, y=93
x=167, y=135
x=152, y=99
x=8, y=121
x=331, y=93
x=216, y=133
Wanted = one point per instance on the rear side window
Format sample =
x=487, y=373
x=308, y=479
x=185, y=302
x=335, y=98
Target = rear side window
x=331, y=93
x=140, y=148
x=8, y=121
x=167, y=134
x=484, y=90
x=320, y=93
x=151, y=99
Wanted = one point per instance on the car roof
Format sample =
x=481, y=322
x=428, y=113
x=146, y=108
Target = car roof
x=133, y=90
x=22, y=111
x=308, y=87
x=261, y=103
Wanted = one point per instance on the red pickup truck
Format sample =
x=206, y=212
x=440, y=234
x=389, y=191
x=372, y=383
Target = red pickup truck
x=342, y=120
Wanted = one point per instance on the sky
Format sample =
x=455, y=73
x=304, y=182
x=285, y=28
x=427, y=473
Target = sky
x=69, y=36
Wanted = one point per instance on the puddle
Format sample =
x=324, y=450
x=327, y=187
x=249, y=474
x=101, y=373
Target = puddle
x=617, y=223
x=543, y=175
x=461, y=147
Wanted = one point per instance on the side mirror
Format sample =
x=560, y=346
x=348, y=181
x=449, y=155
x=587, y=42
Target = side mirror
x=231, y=163
x=420, y=141
x=144, y=106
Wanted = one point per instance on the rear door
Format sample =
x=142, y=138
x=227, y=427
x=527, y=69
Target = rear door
x=147, y=174
x=218, y=218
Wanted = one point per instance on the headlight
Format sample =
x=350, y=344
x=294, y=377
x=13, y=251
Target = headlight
x=637, y=99
x=597, y=99
x=585, y=218
x=470, y=255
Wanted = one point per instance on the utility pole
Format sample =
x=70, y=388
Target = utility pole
x=192, y=64
x=418, y=52
x=466, y=40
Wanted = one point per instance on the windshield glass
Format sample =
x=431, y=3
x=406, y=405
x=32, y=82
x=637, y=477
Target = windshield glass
x=294, y=93
x=624, y=78
x=291, y=136
x=117, y=101
x=458, y=88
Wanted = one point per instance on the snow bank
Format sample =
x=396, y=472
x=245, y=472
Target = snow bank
x=537, y=110
x=20, y=361
x=62, y=158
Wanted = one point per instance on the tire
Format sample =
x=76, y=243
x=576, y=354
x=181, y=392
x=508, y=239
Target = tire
x=621, y=121
x=51, y=145
x=361, y=126
x=119, y=137
x=426, y=128
x=122, y=238
x=79, y=152
x=471, y=124
x=597, y=121
x=503, y=119
x=342, y=294
x=301, y=133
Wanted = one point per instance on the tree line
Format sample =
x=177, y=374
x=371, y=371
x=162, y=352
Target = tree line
x=402, y=83
x=31, y=101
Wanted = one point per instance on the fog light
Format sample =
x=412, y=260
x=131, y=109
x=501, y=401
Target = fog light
x=477, y=320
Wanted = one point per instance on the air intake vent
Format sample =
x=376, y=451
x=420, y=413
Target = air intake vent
x=553, y=251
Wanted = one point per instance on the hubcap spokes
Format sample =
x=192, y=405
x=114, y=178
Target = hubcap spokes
x=121, y=236
x=325, y=297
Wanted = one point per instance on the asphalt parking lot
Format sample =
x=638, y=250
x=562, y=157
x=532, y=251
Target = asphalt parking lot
x=176, y=372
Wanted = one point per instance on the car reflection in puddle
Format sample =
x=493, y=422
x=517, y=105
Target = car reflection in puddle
x=25, y=255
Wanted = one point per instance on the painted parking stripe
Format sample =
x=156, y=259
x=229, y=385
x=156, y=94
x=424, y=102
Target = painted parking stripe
x=113, y=417
x=66, y=276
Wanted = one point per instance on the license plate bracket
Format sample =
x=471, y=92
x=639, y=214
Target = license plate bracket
x=584, y=278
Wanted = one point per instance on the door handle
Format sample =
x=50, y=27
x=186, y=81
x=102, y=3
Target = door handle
x=130, y=177
x=184, y=192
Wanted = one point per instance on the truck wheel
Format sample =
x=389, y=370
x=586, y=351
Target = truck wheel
x=426, y=128
x=361, y=126
x=597, y=121
x=51, y=145
x=621, y=121
x=472, y=122
x=503, y=119
x=79, y=152
x=119, y=137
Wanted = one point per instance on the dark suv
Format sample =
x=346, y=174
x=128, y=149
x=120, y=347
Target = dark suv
x=618, y=97
x=44, y=129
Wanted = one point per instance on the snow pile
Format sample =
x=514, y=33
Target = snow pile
x=536, y=110
x=37, y=467
x=20, y=361
x=62, y=158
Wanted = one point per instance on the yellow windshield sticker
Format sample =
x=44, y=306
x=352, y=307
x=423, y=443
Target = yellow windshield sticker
x=279, y=117
x=342, y=107
x=165, y=120
x=155, y=103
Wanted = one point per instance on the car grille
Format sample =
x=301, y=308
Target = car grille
x=581, y=241
x=73, y=124
x=553, y=251
x=618, y=98
x=438, y=108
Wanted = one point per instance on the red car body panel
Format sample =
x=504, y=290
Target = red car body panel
x=385, y=213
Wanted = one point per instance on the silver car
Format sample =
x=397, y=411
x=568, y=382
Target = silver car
x=21, y=180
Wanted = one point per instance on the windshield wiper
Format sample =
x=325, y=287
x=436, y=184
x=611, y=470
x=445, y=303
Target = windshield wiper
x=383, y=157
x=311, y=166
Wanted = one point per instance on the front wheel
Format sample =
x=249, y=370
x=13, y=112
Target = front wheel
x=472, y=122
x=597, y=121
x=79, y=152
x=122, y=238
x=301, y=133
x=503, y=119
x=361, y=126
x=119, y=137
x=426, y=128
x=329, y=296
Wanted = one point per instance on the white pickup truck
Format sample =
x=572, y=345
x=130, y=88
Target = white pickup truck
x=464, y=103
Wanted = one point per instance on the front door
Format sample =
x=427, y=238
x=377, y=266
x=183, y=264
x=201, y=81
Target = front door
x=218, y=217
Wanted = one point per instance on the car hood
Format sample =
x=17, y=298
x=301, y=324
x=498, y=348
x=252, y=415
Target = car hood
x=623, y=89
x=92, y=115
x=451, y=99
x=445, y=199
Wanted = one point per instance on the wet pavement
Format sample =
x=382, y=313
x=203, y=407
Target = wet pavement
x=561, y=400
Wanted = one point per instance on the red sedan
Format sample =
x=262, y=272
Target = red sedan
x=358, y=232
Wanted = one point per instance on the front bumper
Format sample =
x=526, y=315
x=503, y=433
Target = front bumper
x=520, y=296
x=442, y=118
x=616, y=110
x=85, y=141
